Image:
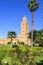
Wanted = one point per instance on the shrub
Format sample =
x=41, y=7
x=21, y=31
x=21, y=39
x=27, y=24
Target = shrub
x=14, y=45
x=8, y=42
x=22, y=43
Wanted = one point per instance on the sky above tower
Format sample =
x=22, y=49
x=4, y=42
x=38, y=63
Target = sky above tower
x=12, y=13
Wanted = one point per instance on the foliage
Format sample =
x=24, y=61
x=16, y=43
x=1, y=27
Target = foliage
x=21, y=43
x=11, y=34
x=14, y=45
x=21, y=55
x=37, y=36
x=8, y=43
x=33, y=5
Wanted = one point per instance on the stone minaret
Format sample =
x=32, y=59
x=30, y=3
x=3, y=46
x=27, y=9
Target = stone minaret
x=23, y=37
x=24, y=26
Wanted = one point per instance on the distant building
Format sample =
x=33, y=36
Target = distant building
x=23, y=37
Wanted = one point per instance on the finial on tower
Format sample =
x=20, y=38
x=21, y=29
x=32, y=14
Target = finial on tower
x=24, y=19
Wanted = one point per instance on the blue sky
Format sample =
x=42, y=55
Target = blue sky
x=12, y=13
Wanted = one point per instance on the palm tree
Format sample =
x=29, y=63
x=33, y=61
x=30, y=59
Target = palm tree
x=11, y=34
x=33, y=6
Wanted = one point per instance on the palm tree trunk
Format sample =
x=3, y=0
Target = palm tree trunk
x=32, y=28
x=11, y=42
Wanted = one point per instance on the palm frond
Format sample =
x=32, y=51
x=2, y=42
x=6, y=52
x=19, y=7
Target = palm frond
x=33, y=5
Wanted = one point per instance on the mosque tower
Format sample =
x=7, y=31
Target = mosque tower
x=24, y=26
x=23, y=37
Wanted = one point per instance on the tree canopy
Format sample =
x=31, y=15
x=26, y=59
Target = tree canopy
x=37, y=36
x=11, y=34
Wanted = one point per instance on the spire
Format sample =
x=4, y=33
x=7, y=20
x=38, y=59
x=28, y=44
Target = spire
x=25, y=19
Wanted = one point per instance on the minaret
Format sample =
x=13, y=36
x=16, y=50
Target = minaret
x=24, y=26
x=23, y=37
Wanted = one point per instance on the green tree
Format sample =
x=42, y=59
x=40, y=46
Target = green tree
x=39, y=37
x=34, y=34
x=11, y=34
x=33, y=6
